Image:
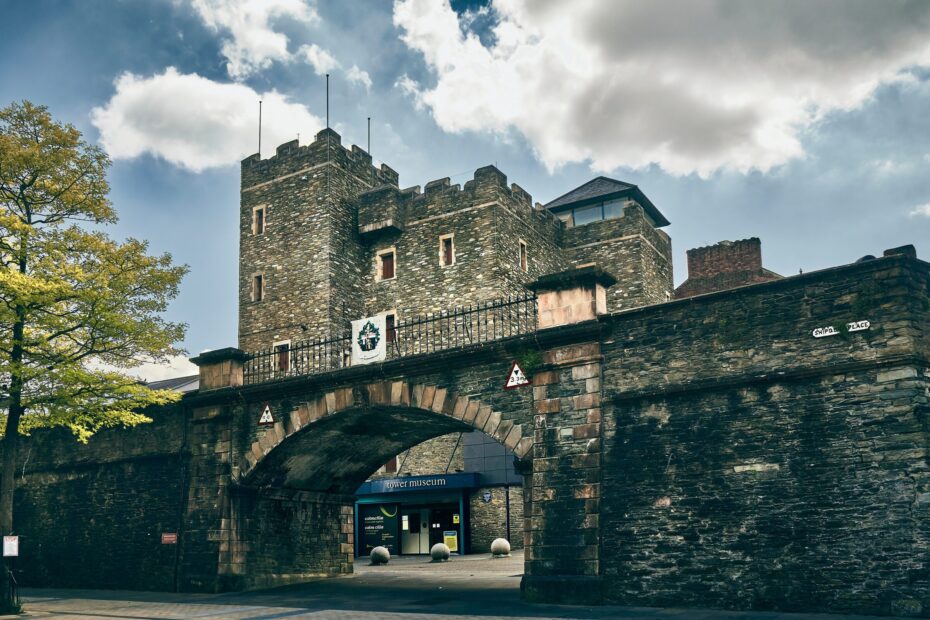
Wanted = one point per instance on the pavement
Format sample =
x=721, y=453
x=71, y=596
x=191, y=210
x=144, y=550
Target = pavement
x=474, y=586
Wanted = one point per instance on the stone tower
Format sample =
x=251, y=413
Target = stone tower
x=299, y=255
x=615, y=226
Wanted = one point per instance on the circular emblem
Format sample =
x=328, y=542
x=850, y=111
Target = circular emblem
x=368, y=337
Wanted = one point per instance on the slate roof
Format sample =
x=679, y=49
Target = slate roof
x=604, y=188
x=180, y=384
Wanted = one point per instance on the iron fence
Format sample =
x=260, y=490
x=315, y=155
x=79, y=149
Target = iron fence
x=467, y=325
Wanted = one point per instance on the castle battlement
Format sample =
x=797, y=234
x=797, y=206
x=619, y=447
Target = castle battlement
x=326, y=237
x=326, y=148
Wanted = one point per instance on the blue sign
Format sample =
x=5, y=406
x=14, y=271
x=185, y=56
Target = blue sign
x=408, y=484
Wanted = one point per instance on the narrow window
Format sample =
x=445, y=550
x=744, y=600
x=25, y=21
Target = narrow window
x=391, y=466
x=258, y=220
x=258, y=287
x=389, y=328
x=282, y=356
x=523, y=263
x=446, y=251
x=387, y=265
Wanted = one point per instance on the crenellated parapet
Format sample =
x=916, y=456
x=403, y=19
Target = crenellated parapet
x=291, y=158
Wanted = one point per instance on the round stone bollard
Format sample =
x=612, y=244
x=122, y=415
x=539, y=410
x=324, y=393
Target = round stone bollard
x=440, y=552
x=380, y=555
x=500, y=548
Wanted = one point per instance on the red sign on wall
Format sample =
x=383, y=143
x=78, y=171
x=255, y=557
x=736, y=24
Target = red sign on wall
x=169, y=538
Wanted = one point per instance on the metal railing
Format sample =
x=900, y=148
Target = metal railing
x=467, y=325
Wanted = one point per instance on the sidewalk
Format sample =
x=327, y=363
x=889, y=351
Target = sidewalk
x=410, y=587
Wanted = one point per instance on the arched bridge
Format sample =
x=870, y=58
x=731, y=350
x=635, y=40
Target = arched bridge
x=718, y=451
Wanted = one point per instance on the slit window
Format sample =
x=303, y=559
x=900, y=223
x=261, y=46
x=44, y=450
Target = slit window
x=258, y=287
x=523, y=261
x=258, y=220
x=446, y=251
x=386, y=266
x=391, y=466
x=390, y=328
x=282, y=351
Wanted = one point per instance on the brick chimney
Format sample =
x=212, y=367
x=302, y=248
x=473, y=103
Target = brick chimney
x=724, y=265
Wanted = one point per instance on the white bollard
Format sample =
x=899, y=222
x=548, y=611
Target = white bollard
x=380, y=555
x=440, y=552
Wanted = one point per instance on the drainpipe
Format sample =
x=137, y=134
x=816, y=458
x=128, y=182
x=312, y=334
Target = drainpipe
x=507, y=509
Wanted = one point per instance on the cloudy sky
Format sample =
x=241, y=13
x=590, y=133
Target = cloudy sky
x=804, y=123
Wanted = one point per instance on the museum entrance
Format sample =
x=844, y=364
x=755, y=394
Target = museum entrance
x=411, y=522
x=422, y=527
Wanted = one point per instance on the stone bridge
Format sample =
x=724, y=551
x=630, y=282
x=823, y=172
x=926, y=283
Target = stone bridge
x=708, y=452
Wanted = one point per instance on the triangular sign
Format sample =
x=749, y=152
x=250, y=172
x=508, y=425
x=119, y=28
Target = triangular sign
x=267, y=418
x=516, y=377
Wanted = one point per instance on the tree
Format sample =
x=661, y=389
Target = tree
x=76, y=307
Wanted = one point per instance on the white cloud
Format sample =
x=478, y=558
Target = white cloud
x=354, y=74
x=194, y=122
x=318, y=58
x=178, y=366
x=323, y=62
x=694, y=86
x=410, y=88
x=254, y=44
x=923, y=210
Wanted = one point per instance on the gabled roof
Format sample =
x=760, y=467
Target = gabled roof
x=604, y=188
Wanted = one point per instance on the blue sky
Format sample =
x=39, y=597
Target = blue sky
x=803, y=123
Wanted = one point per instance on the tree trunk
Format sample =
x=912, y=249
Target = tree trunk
x=7, y=486
x=10, y=451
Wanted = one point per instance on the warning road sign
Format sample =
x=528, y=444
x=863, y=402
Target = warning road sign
x=516, y=377
x=267, y=419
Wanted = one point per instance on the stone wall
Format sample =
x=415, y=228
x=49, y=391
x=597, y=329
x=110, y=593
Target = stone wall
x=309, y=253
x=329, y=214
x=630, y=249
x=87, y=512
x=488, y=520
x=283, y=536
x=749, y=465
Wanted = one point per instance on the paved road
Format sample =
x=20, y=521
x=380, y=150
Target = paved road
x=467, y=587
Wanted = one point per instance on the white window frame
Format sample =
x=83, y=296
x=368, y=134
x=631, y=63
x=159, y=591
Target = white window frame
x=442, y=254
x=264, y=210
x=261, y=296
x=378, y=265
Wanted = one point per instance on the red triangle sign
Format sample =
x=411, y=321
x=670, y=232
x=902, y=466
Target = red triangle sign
x=267, y=418
x=516, y=377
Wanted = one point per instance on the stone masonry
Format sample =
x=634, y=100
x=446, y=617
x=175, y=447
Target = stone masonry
x=763, y=447
x=328, y=215
x=708, y=451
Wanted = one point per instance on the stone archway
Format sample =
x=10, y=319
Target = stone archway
x=289, y=513
x=470, y=413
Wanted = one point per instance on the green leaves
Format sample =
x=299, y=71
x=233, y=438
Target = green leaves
x=85, y=305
